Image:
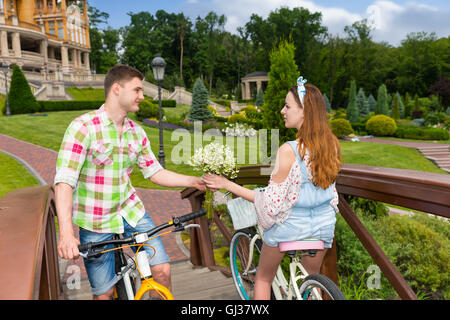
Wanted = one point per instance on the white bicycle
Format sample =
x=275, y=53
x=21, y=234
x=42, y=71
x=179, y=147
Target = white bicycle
x=245, y=248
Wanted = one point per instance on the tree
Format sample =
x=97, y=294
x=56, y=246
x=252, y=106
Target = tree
x=396, y=108
x=442, y=89
x=327, y=103
x=21, y=99
x=363, y=104
x=259, y=98
x=282, y=75
x=183, y=26
x=352, y=107
x=372, y=103
x=198, y=111
x=382, y=106
x=407, y=105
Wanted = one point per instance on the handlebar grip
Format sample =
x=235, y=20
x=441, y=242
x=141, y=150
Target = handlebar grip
x=192, y=215
x=84, y=247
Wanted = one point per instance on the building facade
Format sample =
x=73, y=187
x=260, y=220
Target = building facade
x=50, y=36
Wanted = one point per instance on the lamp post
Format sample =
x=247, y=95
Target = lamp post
x=158, y=65
x=5, y=69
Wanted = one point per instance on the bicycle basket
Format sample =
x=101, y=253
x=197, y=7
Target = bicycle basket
x=242, y=213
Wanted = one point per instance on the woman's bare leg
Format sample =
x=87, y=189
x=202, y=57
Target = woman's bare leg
x=268, y=264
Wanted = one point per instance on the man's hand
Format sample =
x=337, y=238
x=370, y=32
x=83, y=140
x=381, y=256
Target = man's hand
x=198, y=183
x=68, y=247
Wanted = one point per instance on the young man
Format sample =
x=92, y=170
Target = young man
x=92, y=182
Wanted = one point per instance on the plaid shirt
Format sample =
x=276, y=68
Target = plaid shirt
x=97, y=164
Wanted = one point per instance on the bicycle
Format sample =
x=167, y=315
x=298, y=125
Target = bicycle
x=135, y=277
x=245, y=248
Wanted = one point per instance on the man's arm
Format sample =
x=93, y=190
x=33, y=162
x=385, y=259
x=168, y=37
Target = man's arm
x=67, y=244
x=171, y=179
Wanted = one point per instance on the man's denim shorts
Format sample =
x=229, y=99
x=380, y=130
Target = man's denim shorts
x=100, y=270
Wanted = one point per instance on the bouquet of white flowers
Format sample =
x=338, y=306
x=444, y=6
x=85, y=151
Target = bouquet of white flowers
x=239, y=130
x=217, y=159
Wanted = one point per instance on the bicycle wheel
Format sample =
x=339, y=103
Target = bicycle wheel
x=328, y=289
x=239, y=262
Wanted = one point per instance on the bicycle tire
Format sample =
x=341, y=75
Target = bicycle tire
x=244, y=283
x=330, y=291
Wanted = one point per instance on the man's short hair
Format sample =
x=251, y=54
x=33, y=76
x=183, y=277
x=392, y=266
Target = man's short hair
x=120, y=73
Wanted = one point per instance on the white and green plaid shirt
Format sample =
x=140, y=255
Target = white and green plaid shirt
x=97, y=163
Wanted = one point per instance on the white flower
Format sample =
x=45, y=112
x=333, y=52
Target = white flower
x=215, y=159
x=239, y=130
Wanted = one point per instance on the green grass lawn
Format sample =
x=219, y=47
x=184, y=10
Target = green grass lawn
x=14, y=175
x=86, y=93
x=48, y=131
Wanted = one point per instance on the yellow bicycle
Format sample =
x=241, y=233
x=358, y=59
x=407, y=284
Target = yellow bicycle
x=135, y=277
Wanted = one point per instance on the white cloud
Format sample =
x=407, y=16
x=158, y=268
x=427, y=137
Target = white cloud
x=391, y=21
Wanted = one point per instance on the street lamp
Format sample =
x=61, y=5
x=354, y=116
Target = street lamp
x=158, y=65
x=5, y=69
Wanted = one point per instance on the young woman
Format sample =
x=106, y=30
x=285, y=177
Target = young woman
x=300, y=201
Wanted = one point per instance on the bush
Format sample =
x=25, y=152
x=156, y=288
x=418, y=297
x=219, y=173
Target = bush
x=411, y=132
x=21, y=99
x=418, y=246
x=381, y=125
x=341, y=127
x=147, y=110
x=237, y=117
x=69, y=105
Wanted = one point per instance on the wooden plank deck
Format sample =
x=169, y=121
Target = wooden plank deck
x=188, y=283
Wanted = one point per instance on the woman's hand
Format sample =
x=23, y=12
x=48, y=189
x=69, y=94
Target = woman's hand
x=215, y=182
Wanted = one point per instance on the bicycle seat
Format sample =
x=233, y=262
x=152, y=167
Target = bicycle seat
x=307, y=244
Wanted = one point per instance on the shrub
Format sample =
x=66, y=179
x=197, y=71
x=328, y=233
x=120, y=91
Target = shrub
x=381, y=125
x=418, y=246
x=341, y=127
x=69, y=105
x=148, y=109
x=237, y=117
x=21, y=99
x=411, y=132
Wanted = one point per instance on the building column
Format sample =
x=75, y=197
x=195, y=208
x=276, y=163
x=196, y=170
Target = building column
x=87, y=64
x=258, y=86
x=65, y=58
x=242, y=90
x=44, y=50
x=4, y=43
x=51, y=52
x=247, y=90
x=16, y=45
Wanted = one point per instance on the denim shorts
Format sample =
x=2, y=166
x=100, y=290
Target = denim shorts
x=101, y=271
x=304, y=223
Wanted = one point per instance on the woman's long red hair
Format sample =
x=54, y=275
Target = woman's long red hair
x=316, y=136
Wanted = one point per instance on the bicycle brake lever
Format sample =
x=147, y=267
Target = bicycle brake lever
x=192, y=225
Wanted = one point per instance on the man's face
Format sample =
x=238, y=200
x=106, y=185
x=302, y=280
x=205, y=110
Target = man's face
x=130, y=94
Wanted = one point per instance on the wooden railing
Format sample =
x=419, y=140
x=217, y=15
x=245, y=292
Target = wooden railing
x=427, y=192
x=29, y=267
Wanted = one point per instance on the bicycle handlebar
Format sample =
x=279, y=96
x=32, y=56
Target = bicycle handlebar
x=176, y=222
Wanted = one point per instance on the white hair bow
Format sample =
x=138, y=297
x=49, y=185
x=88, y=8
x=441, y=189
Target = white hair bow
x=301, y=88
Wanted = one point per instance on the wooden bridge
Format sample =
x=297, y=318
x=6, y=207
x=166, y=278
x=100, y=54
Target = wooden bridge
x=30, y=269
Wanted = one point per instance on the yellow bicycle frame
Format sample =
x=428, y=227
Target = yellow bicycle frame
x=150, y=284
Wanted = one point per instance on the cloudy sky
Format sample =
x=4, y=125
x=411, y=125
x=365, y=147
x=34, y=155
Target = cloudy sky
x=392, y=20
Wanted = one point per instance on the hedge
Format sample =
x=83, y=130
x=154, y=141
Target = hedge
x=69, y=105
x=412, y=132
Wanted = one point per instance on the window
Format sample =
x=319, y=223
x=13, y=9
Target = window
x=60, y=30
x=51, y=27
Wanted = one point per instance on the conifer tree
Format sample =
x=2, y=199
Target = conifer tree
x=407, y=105
x=282, y=75
x=259, y=102
x=372, y=103
x=363, y=104
x=327, y=102
x=352, y=107
x=382, y=106
x=198, y=111
x=21, y=99
x=396, y=108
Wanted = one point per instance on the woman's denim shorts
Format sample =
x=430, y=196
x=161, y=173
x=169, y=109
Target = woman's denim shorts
x=101, y=271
